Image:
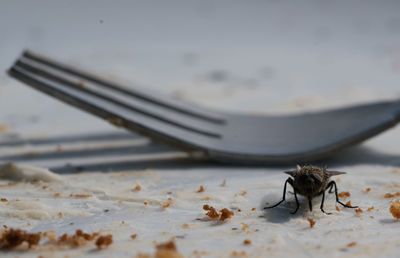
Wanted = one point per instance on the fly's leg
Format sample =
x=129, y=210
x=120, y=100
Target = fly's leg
x=290, y=181
x=333, y=184
x=322, y=203
x=297, y=201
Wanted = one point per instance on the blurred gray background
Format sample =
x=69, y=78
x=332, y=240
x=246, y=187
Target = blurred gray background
x=250, y=56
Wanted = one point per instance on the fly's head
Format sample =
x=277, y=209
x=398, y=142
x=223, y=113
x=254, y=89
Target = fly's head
x=308, y=180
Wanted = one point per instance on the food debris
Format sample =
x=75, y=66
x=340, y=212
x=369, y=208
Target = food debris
x=367, y=190
x=80, y=195
x=3, y=200
x=247, y=242
x=244, y=226
x=165, y=205
x=351, y=244
x=370, y=208
x=167, y=250
x=145, y=203
x=244, y=192
x=133, y=236
x=137, y=188
x=337, y=208
x=45, y=187
x=57, y=195
x=395, y=209
x=201, y=189
x=253, y=209
x=212, y=212
x=104, y=241
x=11, y=238
x=80, y=238
x=223, y=214
x=348, y=203
x=344, y=194
x=185, y=225
x=223, y=183
x=358, y=210
x=311, y=221
x=236, y=253
x=390, y=195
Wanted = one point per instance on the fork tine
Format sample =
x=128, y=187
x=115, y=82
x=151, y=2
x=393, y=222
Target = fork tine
x=165, y=102
x=151, y=125
x=117, y=98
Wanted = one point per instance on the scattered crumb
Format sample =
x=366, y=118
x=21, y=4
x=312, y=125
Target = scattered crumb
x=3, y=128
x=123, y=222
x=344, y=194
x=389, y=195
x=244, y=192
x=165, y=205
x=145, y=203
x=311, y=221
x=80, y=195
x=104, y=241
x=201, y=189
x=337, y=208
x=395, y=171
x=244, y=226
x=167, y=250
x=57, y=194
x=348, y=203
x=60, y=214
x=5, y=226
x=351, y=244
x=370, y=208
x=11, y=238
x=223, y=183
x=212, y=212
x=133, y=236
x=367, y=190
x=358, y=210
x=253, y=209
x=3, y=200
x=395, y=209
x=235, y=253
x=247, y=242
x=239, y=210
x=80, y=238
x=137, y=188
x=185, y=225
x=225, y=214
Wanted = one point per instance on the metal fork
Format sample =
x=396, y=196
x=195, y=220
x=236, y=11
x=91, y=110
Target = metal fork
x=215, y=135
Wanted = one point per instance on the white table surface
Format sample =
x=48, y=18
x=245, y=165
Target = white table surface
x=260, y=57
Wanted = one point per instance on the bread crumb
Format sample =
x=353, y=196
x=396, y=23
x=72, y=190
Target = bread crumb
x=4, y=200
x=167, y=250
x=104, y=241
x=201, y=189
x=247, y=242
x=133, y=236
x=367, y=190
x=389, y=195
x=44, y=187
x=253, y=209
x=344, y=194
x=165, y=205
x=337, y=208
x=5, y=226
x=138, y=188
x=395, y=209
x=225, y=214
x=235, y=253
x=244, y=192
x=358, y=210
x=3, y=128
x=185, y=225
x=351, y=244
x=223, y=183
x=80, y=195
x=311, y=221
x=244, y=226
x=348, y=203
x=370, y=208
x=11, y=238
x=60, y=214
x=57, y=194
x=145, y=203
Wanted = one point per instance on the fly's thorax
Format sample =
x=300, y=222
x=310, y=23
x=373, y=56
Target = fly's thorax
x=310, y=182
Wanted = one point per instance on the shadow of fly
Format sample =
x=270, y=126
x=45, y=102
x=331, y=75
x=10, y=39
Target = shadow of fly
x=311, y=181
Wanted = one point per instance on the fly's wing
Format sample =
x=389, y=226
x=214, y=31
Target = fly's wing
x=291, y=172
x=334, y=173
